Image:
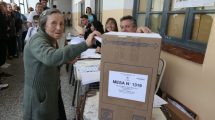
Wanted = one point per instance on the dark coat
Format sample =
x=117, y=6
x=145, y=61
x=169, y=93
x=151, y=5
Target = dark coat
x=42, y=77
x=3, y=38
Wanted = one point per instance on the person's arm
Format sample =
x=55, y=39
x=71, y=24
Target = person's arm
x=51, y=56
x=27, y=37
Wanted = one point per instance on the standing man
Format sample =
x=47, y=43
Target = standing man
x=18, y=25
x=38, y=11
x=44, y=3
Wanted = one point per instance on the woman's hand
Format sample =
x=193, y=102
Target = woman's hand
x=90, y=39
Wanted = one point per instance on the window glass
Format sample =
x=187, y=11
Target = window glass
x=202, y=27
x=175, y=25
x=142, y=5
x=141, y=20
x=22, y=6
x=79, y=13
x=155, y=22
x=157, y=5
x=83, y=10
x=25, y=5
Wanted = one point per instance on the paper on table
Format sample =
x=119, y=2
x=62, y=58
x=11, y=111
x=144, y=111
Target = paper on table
x=90, y=53
x=87, y=65
x=76, y=40
x=90, y=77
x=158, y=101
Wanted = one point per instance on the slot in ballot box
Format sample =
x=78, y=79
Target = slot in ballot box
x=129, y=65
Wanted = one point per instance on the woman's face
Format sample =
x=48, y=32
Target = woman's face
x=92, y=28
x=110, y=26
x=9, y=8
x=88, y=10
x=55, y=25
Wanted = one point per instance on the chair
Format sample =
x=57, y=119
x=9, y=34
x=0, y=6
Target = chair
x=161, y=69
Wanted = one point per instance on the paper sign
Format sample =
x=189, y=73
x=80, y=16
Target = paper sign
x=193, y=3
x=127, y=85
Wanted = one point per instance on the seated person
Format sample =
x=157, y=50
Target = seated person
x=97, y=26
x=87, y=25
x=32, y=30
x=111, y=25
x=129, y=24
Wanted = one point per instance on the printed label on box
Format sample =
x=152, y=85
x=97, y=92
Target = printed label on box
x=127, y=85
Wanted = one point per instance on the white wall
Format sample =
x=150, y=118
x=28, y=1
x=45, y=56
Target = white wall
x=90, y=3
x=191, y=83
x=112, y=4
x=63, y=5
x=128, y=4
x=117, y=4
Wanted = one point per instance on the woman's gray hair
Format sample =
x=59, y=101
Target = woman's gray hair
x=44, y=16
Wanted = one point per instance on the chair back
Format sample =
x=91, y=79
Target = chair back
x=161, y=69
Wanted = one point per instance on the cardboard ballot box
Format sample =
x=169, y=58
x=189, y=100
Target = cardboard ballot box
x=128, y=75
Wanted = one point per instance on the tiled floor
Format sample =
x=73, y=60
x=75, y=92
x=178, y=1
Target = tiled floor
x=11, y=98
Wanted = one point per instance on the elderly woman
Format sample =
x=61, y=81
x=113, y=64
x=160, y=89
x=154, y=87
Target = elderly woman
x=42, y=59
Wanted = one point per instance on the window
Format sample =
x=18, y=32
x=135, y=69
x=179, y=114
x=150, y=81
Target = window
x=98, y=9
x=82, y=4
x=81, y=11
x=184, y=31
x=22, y=4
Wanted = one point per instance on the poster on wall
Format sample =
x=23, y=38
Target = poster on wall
x=128, y=86
x=193, y=3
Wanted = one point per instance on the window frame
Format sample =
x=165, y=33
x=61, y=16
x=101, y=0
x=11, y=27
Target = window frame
x=98, y=9
x=185, y=41
x=82, y=7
